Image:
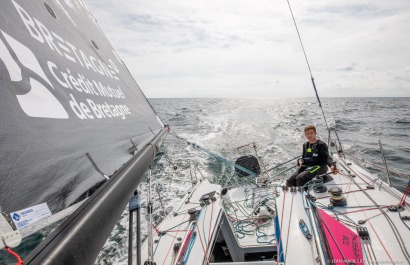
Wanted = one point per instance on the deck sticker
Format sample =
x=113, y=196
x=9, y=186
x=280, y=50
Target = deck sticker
x=344, y=243
x=30, y=215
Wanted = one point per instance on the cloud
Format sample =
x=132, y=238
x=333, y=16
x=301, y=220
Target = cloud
x=346, y=67
x=353, y=10
x=230, y=48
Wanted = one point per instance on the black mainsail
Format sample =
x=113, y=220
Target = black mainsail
x=71, y=117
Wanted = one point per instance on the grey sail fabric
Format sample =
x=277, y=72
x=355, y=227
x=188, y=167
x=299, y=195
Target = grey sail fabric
x=70, y=111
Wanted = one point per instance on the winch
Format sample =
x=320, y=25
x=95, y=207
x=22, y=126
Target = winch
x=337, y=198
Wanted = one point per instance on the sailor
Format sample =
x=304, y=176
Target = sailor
x=315, y=160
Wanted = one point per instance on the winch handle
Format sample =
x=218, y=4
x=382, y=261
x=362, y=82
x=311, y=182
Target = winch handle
x=322, y=175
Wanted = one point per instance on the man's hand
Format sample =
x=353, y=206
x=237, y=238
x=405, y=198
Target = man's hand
x=333, y=170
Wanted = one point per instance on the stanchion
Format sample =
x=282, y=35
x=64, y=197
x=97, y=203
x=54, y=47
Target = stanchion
x=134, y=205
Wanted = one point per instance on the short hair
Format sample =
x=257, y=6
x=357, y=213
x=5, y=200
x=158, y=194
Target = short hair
x=310, y=127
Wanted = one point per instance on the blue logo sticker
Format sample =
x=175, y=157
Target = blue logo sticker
x=16, y=216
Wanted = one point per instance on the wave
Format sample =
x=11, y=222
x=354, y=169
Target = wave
x=178, y=117
x=404, y=121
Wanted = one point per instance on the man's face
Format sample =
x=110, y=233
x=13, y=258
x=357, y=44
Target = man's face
x=310, y=135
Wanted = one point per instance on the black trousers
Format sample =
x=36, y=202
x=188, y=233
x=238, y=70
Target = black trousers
x=305, y=174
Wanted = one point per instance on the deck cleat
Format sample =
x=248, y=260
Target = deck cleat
x=177, y=246
x=395, y=208
x=192, y=214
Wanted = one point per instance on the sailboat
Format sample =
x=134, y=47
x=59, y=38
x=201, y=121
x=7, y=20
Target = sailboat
x=78, y=135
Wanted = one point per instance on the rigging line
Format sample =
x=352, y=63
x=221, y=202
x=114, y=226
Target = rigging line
x=328, y=196
x=374, y=254
x=172, y=243
x=281, y=222
x=333, y=237
x=367, y=219
x=202, y=244
x=307, y=62
x=372, y=259
x=338, y=139
x=391, y=223
x=164, y=213
x=313, y=252
x=375, y=139
x=169, y=229
x=210, y=226
x=320, y=237
x=311, y=225
x=274, y=177
x=367, y=260
x=337, y=213
x=349, y=189
x=403, y=220
x=203, y=227
x=305, y=207
x=374, y=230
x=349, y=169
x=290, y=218
x=11, y=252
x=281, y=164
x=368, y=209
x=155, y=251
x=369, y=163
x=301, y=43
x=395, y=171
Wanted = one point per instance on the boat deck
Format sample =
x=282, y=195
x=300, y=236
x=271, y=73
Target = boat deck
x=261, y=224
x=365, y=203
x=195, y=237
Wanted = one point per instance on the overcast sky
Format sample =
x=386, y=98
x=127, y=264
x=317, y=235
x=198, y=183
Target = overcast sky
x=236, y=48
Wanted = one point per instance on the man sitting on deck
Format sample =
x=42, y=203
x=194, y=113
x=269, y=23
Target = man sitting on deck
x=315, y=160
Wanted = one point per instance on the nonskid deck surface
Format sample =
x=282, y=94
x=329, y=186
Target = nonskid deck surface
x=195, y=237
x=256, y=224
x=229, y=217
x=365, y=203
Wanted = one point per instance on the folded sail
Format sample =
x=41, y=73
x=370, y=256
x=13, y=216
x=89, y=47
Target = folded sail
x=344, y=245
x=70, y=112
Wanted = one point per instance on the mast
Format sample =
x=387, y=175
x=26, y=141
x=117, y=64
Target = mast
x=80, y=238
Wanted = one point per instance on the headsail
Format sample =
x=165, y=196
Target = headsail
x=344, y=246
x=70, y=110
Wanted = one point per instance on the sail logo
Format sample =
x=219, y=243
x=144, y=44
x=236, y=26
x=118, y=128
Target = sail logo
x=25, y=217
x=16, y=216
x=36, y=100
